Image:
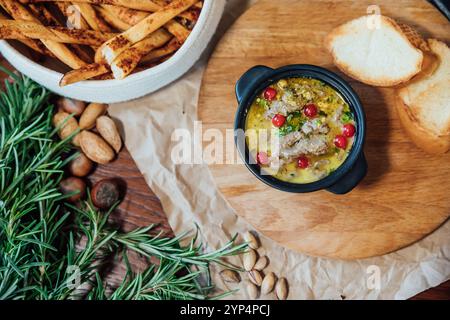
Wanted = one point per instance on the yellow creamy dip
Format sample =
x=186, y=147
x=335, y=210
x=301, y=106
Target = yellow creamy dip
x=332, y=114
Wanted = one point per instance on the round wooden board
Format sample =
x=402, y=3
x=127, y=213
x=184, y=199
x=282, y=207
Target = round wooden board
x=405, y=195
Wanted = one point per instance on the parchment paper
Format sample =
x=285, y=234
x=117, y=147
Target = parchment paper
x=188, y=195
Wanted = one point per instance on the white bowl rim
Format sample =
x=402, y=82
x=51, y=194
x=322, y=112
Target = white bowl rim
x=162, y=67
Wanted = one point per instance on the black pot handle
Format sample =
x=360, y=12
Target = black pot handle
x=352, y=178
x=248, y=79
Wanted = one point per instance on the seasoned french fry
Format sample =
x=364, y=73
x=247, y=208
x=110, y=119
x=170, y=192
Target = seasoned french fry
x=163, y=3
x=127, y=61
x=150, y=34
x=125, y=64
x=113, y=47
x=178, y=30
x=83, y=52
x=71, y=12
x=91, y=17
x=37, y=46
x=166, y=50
x=105, y=76
x=110, y=76
x=43, y=14
x=19, y=29
x=145, y=5
x=189, y=15
x=131, y=17
x=62, y=52
x=74, y=20
x=33, y=44
x=157, y=61
x=86, y=72
x=113, y=20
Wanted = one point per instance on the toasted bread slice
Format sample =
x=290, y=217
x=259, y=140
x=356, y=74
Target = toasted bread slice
x=379, y=55
x=414, y=37
x=427, y=141
x=424, y=104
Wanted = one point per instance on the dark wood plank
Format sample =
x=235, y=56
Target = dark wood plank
x=441, y=292
x=140, y=207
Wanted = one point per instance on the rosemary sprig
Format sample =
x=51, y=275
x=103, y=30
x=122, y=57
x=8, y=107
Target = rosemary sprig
x=52, y=250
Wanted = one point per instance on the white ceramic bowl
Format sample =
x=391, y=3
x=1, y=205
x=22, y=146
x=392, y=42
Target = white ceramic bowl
x=135, y=85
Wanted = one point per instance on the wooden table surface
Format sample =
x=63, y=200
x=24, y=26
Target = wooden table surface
x=393, y=206
x=141, y=207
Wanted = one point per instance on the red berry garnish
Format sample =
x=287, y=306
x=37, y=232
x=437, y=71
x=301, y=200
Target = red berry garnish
x=310, y=110
x=340, y=142
x=303, y=162
x=278, y=120
x=349, y=130
x=270, y=94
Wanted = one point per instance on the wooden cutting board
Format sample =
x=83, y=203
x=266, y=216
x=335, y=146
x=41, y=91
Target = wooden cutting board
x=405, y=195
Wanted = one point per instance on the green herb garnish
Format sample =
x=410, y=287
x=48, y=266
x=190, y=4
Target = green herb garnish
x=262, y=103
x=347, y=117
x=289, y=117
x=286, y=129
x=50, y=249
x=294, y=122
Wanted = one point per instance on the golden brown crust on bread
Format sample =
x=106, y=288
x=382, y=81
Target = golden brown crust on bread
x=414, y=37
x=429, y=65
x=427, y=96
x=411, y=97
x=422, y=138
x=381, y=82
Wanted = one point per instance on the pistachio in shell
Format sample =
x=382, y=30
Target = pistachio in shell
x=268, y=283
x=230, y=276
x=249, y=260
x=255, y=277
x=252, y=290
x=261, y=263
x=251, y=239
x=281, y=289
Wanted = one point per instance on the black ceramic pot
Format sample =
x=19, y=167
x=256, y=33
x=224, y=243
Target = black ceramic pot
x=350, y=173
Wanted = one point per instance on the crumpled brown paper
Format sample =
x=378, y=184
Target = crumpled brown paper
x=188, y=195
